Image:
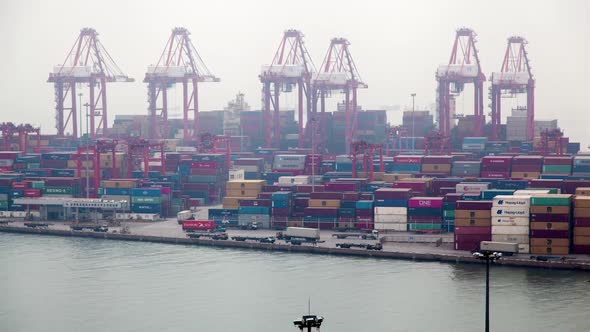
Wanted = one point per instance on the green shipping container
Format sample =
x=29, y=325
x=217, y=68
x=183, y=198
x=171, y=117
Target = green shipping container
x=3, y=205
x=420, y=227
x=557, y=169
x=37, y=184
x=145, y=200
x=33, y=165
x=449, y=214
x=57, y=191
x=551, y=200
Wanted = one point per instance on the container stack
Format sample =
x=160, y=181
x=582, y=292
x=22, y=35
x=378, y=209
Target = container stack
x=238, y=190
x=582, y=224
x=146, y=200
x=257, y=210
x=313, y=163
x=418, y=186
x=282, y=206
x=289, y=163
x=581, y=166
x=439, y=166
x=391, y=209
x=526, y=167
x=364, y=214
x=322, y=211
x=496, y=167
x=557, y=166
x=425, y=213
x=210, y=171
x=253, y=167
x=474, y=144
x=224, y=217
x=347, y=210
x=449, y=211
x=407, y=164
x=550, y=224
x=471, y=188
x=467, y=169
x=510, y=220
x=472, y=224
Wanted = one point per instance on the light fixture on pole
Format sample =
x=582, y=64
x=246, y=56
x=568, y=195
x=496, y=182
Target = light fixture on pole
x=413, y=110
x=87, y=143
x=80, y=108
x=488, y=256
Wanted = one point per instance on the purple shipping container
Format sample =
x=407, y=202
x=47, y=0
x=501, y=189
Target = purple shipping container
x=415, y=186
x=265, y=195
x=535, y=233
x=301, y=202
x=341, y=186
x=350, y=196
x=280, y=211
x=322, y=225
x=527, y=160
x=453, y=197
x=445, y=190
x=366, y=197
x=474, y=205
x=582, y=222
x=437, y=160
x=546, y=183
x=255, y=202
x=569, y=186
x=312, y=211
x=496, y=160
x=549, y=217
x=526, y=168
x=307, y=188
x=581, y=249
x=425, y=202
x=407, y=159
x=557, y=161
x=326, y=195
x=495, y=174
x=392, y=193
x=364, y=212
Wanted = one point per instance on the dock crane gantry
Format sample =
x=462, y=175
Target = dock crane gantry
x=291, y=65
x=338, y=72
x=515, y=77
x=88, y=62
x=464, y=67
x=179, y=63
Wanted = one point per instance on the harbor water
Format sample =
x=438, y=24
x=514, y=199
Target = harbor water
x=73, y=284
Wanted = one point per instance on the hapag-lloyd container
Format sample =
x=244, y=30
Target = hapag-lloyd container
x=513, y=211
x=510, y=221
x=514, y=230
x=425, y=202
x=512, y=201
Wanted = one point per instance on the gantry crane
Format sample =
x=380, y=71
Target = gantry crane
x=396, y=135
x=338, y=72
x=551, y=142
x=179, y=63
x=515, y=77
x=209, y=143
x=92, y=154
x=366, y=151
x=437, y=143
x=464, y=67
x=291, y=66
x=139, y=151
x=88, y=62
x=9, y=129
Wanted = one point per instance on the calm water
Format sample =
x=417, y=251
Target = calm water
x=64, y=284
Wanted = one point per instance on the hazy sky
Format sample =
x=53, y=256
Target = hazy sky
x=397, y=46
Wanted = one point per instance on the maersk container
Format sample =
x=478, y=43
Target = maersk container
x=511, y=221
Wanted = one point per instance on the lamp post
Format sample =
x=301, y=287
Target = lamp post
x=308, y=322
x=80, y=108
x=413, y=109
x=488, y=256
x=86, y=139
x=312, y=154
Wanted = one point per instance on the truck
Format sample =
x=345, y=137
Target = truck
x=264, y=239
x=307, y=234
x=184, y=215
x=93, y=227
x=376, y=246
x=506, y=248
x=198, y=225
x=374, y=235
x=211, y=235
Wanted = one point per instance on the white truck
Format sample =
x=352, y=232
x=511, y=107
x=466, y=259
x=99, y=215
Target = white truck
x=184, y=215
x=300, y=233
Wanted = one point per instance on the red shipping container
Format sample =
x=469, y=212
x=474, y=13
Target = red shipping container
x=311, y=211
x=301, y=202
x=322, y=225
x=265, y=195
x=256, y=202
x=407, y=160
x=364, y=224
x=469, y=230
x=546, y=183
x=549, y=217
x=280, y=211
x=270, y=188
x=205, y=171
x=437, y=160
x=469, y=245
x=366, y=197
x=20, y=185
x=582, y=222
x=581, y=249
x=364, y=212
x=496, y=160
x=415, y=186
x=350, y=196
x=305, y=188
x=32, y=193
x=392, y=193
x=427, y=202
x=527, y=160
x=557, y=161
x=198, y=225
x=495, y=175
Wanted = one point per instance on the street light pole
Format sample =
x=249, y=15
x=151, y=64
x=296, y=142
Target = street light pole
x=80, y=108
x=488, y=256
x=86, y=139
x=312, y=154
x=413, y=110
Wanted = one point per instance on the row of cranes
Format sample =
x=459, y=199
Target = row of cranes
x=464, y=67
x=88, y=64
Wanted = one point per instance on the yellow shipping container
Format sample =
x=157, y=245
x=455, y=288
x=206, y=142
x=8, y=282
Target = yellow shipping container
x=474, y=222
x=396, y=176
x=582, y=201
x=583, y=191
x=525, y=175
x=581, y=231
x=436, y=168
x=550, y=209
x=242, y=193
x=544, y=242
x=246, y=185
x=549, y=250
x=331, y=203
x=471, y=214
x=118, y=184
x=554, y=226
x=581, y=212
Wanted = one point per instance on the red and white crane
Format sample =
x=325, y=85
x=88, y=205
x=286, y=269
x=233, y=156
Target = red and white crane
x=88, y=63
x=338, y=72
x=463, y=68
x=515, y=77
x=179, y=63
x=291, y=66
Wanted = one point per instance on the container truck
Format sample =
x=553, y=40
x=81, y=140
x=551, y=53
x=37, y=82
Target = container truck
x=198, y=225
x=184, y=215
x=506, y=248
x=376, y=246
x=308, y=234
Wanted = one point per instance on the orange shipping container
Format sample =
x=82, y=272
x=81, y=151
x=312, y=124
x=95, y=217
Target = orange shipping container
x=554, y=226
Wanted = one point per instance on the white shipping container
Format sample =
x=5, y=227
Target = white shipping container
x=471, y=187
x=186, y=149
x=510, y=230
x=248, y=168
x=513, y=211
x=390, y=218
x=6, y=162
x=391, y=210
x=524, y=248
x=301, y=179
x=508, y=200
x=531, y=192
x=524, y=239
x=511, y=221
x=236, y=174
x=391, y=227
